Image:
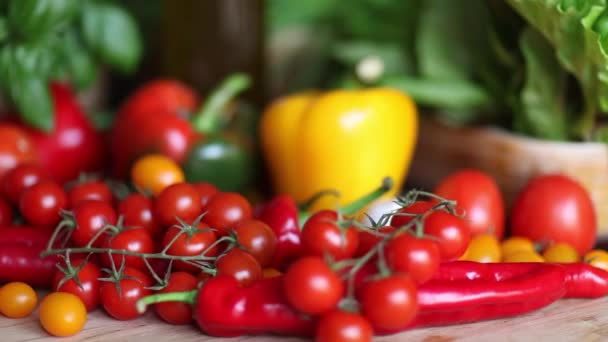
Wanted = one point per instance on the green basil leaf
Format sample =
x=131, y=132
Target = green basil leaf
x=34, y=19
x=80, y=65
x=112, y=34
x=3, y=29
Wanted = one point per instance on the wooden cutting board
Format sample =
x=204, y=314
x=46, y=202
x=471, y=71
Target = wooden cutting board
x=577, y=320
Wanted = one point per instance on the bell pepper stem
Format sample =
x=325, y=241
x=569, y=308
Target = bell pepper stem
x=184, y=297
x=208, y=119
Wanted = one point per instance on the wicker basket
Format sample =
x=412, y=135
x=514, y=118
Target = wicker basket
x=511, y=159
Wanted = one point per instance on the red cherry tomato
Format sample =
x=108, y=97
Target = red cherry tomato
x=120, y=301
x=190, y=243
x=390, y=303
x=177, y=312
x=20, y=178
x=239, y=264
x=322, y=236
x=41, y=204
x=16, y=147
x=134, y=240
x=84, y=284
x=90, y=217
x=453, y=235
x=180, y=200
x=206, y=191
x=419, y=207
x=311, y=287
x=368, y=240
x=225, y=210
x=417, y=256
x=257, y=238
x=478, y=197
x=337, y=325
x=555, y=208
x=137, y=210
x=90, y=190
x=6, y=212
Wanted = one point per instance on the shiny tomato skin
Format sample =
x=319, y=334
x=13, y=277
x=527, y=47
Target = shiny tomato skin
x=91, y=217
x=338, y=325
x=239, y=264
x=368, y=240
x=121, y=304
x=137, y=210
x=177, y=313
x=90, y=190
x=321, y=235
x=86, y=288
x=133, y=239
x=257, y=238
x=205, y=191
x=180, y=200
x=41, y=204
x=452, y=234
x=555, y=208
x=418, y=207
x=478, y=198
x=20, y=178
x=417, y=256
x=225, y=210
x=190, y=244
x=16, y=147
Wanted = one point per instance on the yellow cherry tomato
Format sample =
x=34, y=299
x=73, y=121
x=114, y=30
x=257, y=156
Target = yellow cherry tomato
x=17, y=300
x=597, y=258
x=523, y=256
x=62, y=314
x=270, y=272
x=483, y=248
x=560, y=252
x=154, y=172
x=516, y=244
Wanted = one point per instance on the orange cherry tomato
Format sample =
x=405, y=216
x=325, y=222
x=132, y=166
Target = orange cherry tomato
x=483, y=248
x=560, y=252
x=597, y=258
x=62, y=314
x=17, y=300
x=523, y=256
x=516, y=244
x=16, y=147
x=155, y=172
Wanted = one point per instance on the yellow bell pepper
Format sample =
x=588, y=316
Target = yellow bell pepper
x=347, y=140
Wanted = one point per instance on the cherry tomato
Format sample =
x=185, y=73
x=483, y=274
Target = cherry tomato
x=85, y=283
x=523, y=256
x=17, y=300
x=16, y=148
x=239, y=264
x=417, y=256
x=311, y=287
x=560, y=253
x=483, y=248
x=177, y=200
x=516, y=244
x=257, y=238
x=478, y=197
x=597, y=258
x=322, y=236
x=90, y=190
x=451, y=232
x=368, y=240
x=177, y=312
x=419, y=207
x=389, y=303
x=137, y=210
x=41, y=203
x=62, y=314
x=555, y=208
x=90, y=217
x=135, y=240
x=205, y=191
x=20, y=178
x=120, y=303
x=270, y=272
x=190, y=243
x=338, y=325
x=225, y=210
x=6, y=212
x=154, y=172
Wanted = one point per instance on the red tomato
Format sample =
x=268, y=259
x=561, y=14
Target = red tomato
x=89, y=218
x=257, y=238
x=6, y=212
x=478, y=197
x=90, y=190
x=555, y=208
x=16, y=147
x=419, y=207
x=239, y=264
x=338, y=325
x=41, y=204
x=189, y=243
x=321, y=235
x=225, y=210
x=137, y=210
x=368, y=240
x=390, y=303
x=311, y=287
x=206, y=191
x=20, y=178
x=417, y=256
x=84, y=284
x=453, y=235
x=135, y=240
x=120, y=301
x=180, y=200
x=177, y=312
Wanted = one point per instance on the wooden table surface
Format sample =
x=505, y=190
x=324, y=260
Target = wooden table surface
x=566, y=320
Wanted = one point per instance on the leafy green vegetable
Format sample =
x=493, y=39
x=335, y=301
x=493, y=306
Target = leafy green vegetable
x=3, y=29
x=35, y=19
x=79, y=62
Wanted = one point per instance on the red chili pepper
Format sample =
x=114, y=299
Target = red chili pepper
x=24, y=235
x=73, y=146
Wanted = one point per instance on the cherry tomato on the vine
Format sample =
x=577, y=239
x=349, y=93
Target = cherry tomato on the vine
x=134, y=240
x=205, y=191
x=177, y=312
x=338, y=325
x=120, y=302
x=419, y=207
x=17, y=300
x=90, y=190
x=85, y=284
x=41, y=204
x=322, y=235
x=257, y=238
x=311, y=286
x=137, y=210
x=20, y=178
x=180, y=200
x=190, y=243
x=62, y=314
x=417, y=256
x=369, y=240
x=453, y=235
x=154, y=172
x=239, y=264
x=90, y=217
x=225, y=210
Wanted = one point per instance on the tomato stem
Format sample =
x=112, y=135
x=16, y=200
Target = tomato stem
x=184, y=297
